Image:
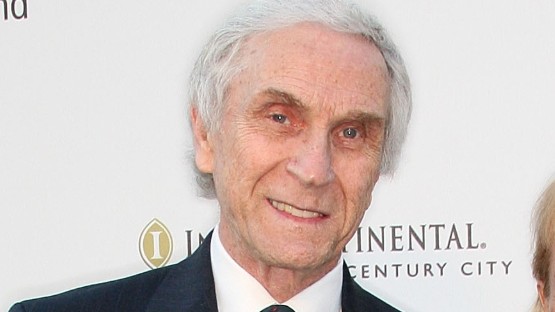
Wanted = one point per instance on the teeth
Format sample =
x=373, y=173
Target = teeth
x=295, y=211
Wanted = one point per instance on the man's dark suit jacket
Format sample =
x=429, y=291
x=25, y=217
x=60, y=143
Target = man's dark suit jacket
x=186, y=286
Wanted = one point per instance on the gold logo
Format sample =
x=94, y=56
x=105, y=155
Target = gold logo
x=156, y=244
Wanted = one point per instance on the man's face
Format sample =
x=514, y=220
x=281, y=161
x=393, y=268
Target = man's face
x=299, y=146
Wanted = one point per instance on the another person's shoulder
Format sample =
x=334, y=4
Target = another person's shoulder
x=126, y=294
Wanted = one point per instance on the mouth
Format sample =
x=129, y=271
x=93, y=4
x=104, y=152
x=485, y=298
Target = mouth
x=294, y=211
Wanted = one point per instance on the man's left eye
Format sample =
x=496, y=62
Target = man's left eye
x=279, y=118
x=350, y=133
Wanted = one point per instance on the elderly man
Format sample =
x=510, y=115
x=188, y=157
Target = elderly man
x=544, y=255
x=297, y=108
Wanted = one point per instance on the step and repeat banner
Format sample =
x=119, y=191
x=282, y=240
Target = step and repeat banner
x=95, y=173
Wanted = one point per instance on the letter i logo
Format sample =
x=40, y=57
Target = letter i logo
x=155, y=244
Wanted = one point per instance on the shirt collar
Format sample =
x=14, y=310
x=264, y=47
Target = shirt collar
x=237, y=290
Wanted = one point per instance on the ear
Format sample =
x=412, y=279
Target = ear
x=204, y=152
x=541, y=294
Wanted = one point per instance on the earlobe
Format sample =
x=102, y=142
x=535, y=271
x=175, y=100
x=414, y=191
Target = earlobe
x=204, y=153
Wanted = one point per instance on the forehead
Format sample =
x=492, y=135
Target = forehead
x=317, y=63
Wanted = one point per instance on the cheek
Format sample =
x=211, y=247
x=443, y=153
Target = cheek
x=358, y=176
x=232, y=146
x=258, y=152
x=358, y=192
x=243, y=159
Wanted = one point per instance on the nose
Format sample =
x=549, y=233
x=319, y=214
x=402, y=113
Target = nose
x=311, y=163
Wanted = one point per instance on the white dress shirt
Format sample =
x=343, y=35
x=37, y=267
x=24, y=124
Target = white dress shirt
x=237, y=290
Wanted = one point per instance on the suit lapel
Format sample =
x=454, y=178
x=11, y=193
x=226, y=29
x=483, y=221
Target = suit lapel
x=354, y=298
x=348, y=297
x=189, y=285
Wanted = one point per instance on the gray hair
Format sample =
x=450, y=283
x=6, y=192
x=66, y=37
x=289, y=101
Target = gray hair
x=218, y=64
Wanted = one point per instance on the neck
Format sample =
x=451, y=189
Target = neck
x=282, y=281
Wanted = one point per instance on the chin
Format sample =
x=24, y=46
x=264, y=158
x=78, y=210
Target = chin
x=302, y=259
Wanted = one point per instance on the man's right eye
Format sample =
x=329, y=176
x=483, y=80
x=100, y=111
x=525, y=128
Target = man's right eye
x=279, y=118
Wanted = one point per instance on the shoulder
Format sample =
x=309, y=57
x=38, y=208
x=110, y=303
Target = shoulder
x=131, y=294
x=365, y=301
x=182, y=284
x=355, y=298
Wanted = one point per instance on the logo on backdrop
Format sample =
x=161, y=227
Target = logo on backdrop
x=13, y=9
x=435, y=242
x=155, y=244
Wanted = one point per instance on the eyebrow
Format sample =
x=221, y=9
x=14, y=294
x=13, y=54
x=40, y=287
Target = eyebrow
x=364, y=116
x=286, y=97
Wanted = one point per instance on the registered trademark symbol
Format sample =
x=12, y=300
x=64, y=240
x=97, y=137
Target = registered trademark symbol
x=483, y=246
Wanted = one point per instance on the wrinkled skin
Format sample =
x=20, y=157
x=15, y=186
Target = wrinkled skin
x=297, y=153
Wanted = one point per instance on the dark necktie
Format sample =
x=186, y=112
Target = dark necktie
x=278, y=308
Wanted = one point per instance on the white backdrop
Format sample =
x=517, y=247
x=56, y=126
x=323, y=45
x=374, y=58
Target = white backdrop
x=94, y=145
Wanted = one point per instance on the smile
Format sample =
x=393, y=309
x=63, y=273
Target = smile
x=295, y=211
